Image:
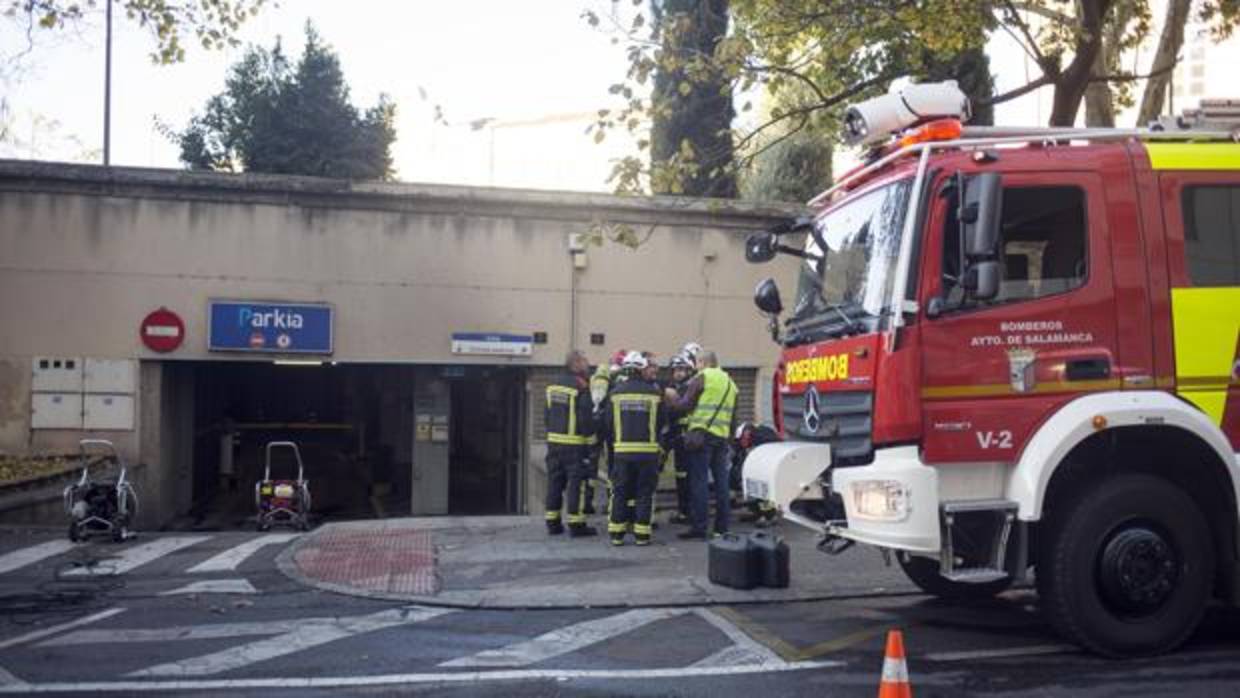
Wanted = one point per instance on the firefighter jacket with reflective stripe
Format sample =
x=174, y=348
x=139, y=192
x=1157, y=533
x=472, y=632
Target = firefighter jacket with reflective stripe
x=570, y=412
x=634, y=416
x=713, y=412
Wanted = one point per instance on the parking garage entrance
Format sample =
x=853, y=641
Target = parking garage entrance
x=352, y=424
x=359, y=428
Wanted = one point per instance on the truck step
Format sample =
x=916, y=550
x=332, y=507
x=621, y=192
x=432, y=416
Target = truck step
x=975, y=575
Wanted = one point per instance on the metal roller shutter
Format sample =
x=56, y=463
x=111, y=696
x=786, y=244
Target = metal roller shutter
x=745, y=379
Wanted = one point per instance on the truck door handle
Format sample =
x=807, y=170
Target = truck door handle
x=1087, y=369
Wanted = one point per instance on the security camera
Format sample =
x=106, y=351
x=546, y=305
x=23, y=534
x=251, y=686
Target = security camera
x=875, y=119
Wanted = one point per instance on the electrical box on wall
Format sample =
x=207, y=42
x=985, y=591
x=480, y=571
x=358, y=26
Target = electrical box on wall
x=107, y=412
x=56, y=374
x=56, y=411
x=109, y=376
x=77, y=393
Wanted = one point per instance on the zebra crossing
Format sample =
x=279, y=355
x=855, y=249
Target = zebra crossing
x=258, y=646
x=138, y=645
x=194, y=564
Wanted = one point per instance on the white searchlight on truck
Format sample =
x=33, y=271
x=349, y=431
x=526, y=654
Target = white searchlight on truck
x=875, y=120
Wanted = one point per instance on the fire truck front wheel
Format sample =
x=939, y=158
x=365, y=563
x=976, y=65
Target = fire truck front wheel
x=924, y=572
x=1126, y=568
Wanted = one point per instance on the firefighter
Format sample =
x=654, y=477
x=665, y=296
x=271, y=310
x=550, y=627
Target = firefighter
x=570, y=428
x=748, y=437
x=682, y=370
x=634, y=417
x=709, y=401
x=600, y=383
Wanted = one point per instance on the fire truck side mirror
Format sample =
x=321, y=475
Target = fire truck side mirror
x=766, y=297
x=981, y=209
x=760, y=247
x=981, y=281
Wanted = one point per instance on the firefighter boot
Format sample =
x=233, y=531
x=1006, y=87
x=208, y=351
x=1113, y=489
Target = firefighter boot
x=642, y=538
x=554, y=527
x=580, y=530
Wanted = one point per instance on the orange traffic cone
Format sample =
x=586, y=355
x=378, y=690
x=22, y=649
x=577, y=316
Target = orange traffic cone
x=894, y=683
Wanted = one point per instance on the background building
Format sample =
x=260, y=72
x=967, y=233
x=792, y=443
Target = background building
x=428, y=320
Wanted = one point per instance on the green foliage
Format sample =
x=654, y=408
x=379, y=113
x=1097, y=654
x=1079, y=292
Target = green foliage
x=212, y=23
x=691, y=131
x=793, y=168
x=277, y=118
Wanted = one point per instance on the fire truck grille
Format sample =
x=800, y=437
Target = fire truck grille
x=845, y=420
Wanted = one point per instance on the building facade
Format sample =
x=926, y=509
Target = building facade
x=400, y=334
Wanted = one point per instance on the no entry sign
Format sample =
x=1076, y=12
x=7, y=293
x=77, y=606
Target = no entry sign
x=162, y=331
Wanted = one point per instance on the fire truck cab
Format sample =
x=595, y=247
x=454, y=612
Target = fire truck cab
x=1015, y=353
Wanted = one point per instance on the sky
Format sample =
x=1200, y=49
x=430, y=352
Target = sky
x=510, y=61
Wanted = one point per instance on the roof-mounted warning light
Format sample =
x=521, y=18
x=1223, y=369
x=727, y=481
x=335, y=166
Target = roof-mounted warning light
x=875, y=120
x=939, y=130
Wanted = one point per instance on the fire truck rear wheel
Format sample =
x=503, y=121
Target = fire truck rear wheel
x=1126, y=569
x=924, y=572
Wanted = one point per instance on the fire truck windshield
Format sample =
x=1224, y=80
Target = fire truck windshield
x=846, y=281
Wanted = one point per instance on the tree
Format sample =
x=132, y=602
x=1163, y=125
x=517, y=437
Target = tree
x=214, y=23
x=843, y=51
x=694, y=121
x=272, y=117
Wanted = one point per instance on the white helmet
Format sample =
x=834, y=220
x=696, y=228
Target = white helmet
x=691, y=350
x=681, y=361
x=634, y=360
x=740, y=430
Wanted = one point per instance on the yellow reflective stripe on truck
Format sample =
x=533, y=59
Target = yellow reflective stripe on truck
x=1194, y=156
x=1206, y=323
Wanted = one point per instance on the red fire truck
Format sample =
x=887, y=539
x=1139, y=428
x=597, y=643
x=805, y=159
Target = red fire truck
x=1013, y=353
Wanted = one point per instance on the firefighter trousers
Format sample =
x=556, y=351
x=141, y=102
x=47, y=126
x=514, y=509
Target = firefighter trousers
x=634, y=479
x=680, y=460
x=568, y=471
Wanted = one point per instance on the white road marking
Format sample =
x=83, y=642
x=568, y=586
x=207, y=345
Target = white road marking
x=1028, y=651
x=399, y=679
x=215, y=586
x=28, y=556
x=303, y=636
x=7, y=679
x=52, y=630
x=230, y=559
x=750, y=651
x=184, y=632
x=567, y=639
x=139, y=555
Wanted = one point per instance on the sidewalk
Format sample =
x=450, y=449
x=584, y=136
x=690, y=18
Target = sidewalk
x=510, y=562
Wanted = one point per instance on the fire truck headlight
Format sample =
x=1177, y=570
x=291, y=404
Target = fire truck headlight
x=881, y=500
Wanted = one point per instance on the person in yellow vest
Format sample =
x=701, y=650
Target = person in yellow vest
x=633, y=416
x=570, y=432
x=709, y=401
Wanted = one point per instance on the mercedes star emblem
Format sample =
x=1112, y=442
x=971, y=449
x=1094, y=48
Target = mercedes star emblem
x=811, y=420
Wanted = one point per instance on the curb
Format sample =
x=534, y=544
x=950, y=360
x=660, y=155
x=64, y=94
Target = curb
x=286, y=564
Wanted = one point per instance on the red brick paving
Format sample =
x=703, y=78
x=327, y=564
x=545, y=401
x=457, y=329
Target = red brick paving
x=382, y=560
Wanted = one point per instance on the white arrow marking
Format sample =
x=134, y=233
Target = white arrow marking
x=215, y=586
x=230, y=559
x=744, y=649
x=567, y=639
x=303, y=636
x=31, y=555
x=137, y=556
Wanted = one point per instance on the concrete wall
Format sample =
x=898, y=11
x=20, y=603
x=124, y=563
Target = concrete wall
x=86, y=252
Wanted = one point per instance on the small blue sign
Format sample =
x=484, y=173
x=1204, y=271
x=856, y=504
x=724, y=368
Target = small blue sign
x=492, y=344
x=277, y=328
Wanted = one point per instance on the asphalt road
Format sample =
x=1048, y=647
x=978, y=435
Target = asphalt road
x=209, y=614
